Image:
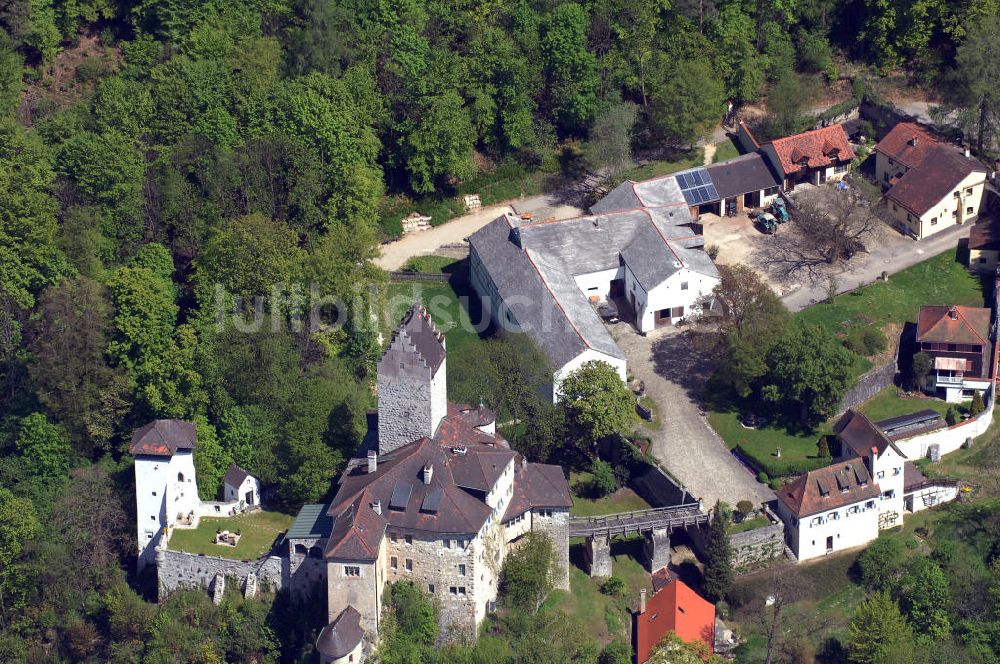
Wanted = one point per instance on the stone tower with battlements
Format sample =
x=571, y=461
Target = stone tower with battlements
x=412, y=389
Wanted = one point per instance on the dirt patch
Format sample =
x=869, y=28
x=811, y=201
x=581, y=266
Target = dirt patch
x=65, y=81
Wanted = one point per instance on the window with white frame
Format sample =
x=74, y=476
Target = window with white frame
x=352, y=570
x=880, y=474
x=816, y=521
x=461, y=570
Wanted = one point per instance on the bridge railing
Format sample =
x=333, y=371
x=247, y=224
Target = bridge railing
x=624, y=522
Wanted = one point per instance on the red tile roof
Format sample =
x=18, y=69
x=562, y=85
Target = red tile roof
x=538, y=485
x=923, y=187
x=357, y=531
x=899, y=144
x=861, y=435
x=821, y=147
x=163, y=438
x=828, y=488
x=678, y=609
x=970, y=325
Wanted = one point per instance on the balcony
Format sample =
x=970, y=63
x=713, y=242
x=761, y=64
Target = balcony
x=948, y=380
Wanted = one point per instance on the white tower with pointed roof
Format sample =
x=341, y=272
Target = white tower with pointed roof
x=412, y=385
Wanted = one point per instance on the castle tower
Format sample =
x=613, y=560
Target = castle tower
x=412, y=389
x=165, y=486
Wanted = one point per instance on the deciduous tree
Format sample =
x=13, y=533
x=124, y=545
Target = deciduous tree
x=879, y=633
x=527, y=574
x=596, y=402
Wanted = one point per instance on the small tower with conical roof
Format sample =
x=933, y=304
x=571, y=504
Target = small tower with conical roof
x=412, y=385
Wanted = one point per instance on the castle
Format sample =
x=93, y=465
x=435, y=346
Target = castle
x=438, y=499
x=434, y=496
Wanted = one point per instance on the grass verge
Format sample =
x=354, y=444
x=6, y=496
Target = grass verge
x=258, y=531
x=622, y=500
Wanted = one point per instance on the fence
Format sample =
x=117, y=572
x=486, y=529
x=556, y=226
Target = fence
x=419, y=276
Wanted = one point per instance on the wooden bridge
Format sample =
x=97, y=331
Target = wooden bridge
x=625, y=523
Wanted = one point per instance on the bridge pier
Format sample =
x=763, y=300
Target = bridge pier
x=599, y=547
x=658, y=548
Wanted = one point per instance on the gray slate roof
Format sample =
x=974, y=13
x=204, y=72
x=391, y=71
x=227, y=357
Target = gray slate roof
x=537, y=280
x=312, y=523
x=741, y=175
x=618, y=199
x=343, y=635
x=235, y=476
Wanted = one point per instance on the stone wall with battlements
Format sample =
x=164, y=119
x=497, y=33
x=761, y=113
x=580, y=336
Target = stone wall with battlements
x=176, y=570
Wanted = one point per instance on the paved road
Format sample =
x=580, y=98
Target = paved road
x=896, y=253
x=686, y=445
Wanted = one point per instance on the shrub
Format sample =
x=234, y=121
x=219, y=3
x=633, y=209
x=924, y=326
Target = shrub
x=881, y=564
x=604, y=480
x=762, y=477
x=775, y=484
x=722, y=608
x=92, y=68
x=616, y=652
x=951, y=417
x=614, y=586
x=744, y=507
x=920, y=369
x=823, y=448
x=713, y=251
x=977, y=405
x=868, y=341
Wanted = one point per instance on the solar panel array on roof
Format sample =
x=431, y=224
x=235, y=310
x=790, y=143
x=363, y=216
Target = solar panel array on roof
x=432, y=500
x=400, y=496
x=697, y=187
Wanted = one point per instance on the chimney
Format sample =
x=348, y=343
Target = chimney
x=953, y=313
x=377, y=506
x=642, y=601
x=372, y=461
x=913, y=141
x=966, y=153
x=428, y=473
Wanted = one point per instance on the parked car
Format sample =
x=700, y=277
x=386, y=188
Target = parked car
x=779, y=211
x=768, y=224
x=609, y=312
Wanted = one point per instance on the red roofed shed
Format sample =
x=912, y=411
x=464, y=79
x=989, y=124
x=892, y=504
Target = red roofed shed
x=675, y=608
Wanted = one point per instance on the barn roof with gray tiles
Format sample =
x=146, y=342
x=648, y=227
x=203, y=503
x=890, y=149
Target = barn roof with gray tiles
x=534, y=267
x=741, y=175
x=620, y=198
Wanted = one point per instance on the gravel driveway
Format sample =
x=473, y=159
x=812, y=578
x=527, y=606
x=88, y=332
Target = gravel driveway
x=686, y=445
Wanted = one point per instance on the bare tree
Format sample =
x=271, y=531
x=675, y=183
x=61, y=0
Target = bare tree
x=785, y=586
x=824, y=232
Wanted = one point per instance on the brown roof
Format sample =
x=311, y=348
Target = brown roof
x=967, y=325
x=479, y=416
x=343, y=635
x=912, y=477
x=828, y=488
x=538, y=485
x=163, y=438
x=821, y=147
x=417, y=333
x=923, y=187
x=235, y=476
x=740, y=175
x=899, y=145
x=985, y=234
x=357, y=531
x=861, y=435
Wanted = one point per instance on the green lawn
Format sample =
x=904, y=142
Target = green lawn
x=938, y=280
x=658, y=167
x=448, y=309
x=799, y=450
x=622, y=500
x=258, y=529
x=724, y=151
x=601, y=616
x=431, y=264
x=888, y=403
x=748, y=524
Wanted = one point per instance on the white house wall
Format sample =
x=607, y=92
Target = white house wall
x=164, y=488
x=667, y=295
x=808, y=536
x=930, y=496
x=598, y=284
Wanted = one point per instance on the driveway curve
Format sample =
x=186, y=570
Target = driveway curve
x=674, y=373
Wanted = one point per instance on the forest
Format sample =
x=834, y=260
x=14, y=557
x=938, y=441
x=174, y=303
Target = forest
x=183, y=182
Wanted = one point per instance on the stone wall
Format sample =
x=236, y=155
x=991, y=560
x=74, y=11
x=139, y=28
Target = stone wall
x=557, y=529
x=657, y=488
x=751, y=549
x=868, y=385
x=435, y=564
x=177, y=569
